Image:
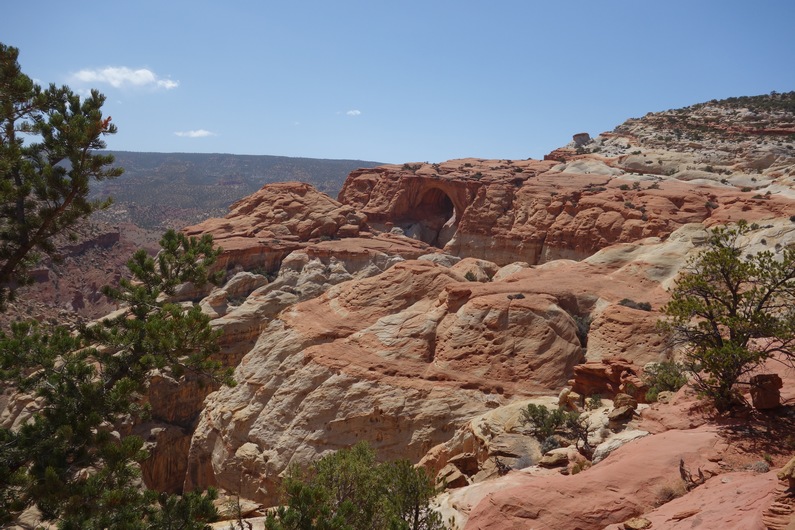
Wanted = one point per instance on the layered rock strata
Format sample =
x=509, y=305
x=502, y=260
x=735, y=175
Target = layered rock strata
x=539, y=211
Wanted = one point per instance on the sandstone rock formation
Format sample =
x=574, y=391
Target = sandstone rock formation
x=732, y=500
x=400, y=359
x=430, y=303
x=263, y=228
x=416, y=334
x=533, y=211
x=765, y=391
x=354, y=340
x=593, y=498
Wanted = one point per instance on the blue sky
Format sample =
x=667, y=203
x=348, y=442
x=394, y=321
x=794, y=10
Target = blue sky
x=396, y=81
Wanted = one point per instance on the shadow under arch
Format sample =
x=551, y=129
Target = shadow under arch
x=435, y=218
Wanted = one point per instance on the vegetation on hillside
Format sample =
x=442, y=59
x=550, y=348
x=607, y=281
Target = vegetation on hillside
x=732, y=311
x=667, y=376
x=765, y=120
x=775, y=101
x=349, y=490
x=71, y=459
x=551, y=426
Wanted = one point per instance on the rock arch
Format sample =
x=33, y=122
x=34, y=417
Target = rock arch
x=435, y=216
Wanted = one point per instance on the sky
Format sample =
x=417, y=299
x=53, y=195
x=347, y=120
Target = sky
x=395, y=82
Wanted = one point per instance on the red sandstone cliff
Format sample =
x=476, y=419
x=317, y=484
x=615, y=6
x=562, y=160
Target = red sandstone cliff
x=536, y=211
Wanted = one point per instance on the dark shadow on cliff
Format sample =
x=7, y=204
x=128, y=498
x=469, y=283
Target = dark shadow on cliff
x=435, y=218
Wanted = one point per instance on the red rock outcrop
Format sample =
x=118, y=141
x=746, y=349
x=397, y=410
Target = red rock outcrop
x=414, y=351
x=732, y=500
x=506, y=211
x=357, y=341
x=400, y=359
x=610, y=492
x=607, y=378
x=266, y=226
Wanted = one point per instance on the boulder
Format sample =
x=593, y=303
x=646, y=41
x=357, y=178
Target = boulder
x=451, y=477
x=787, y=474
x=766, y=391
x=606, y=377
x=570, y=400
x=554, y=458
x=624, y=400
x=614, y=442
x=476, y=269
x=581, y=139
x=637, y=523
x=621, y=414
x=445, y=260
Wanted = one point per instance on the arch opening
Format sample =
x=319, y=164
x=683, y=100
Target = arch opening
x=434, y=218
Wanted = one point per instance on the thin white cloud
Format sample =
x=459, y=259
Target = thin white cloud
x=353, y=112
x=122, y=76
x=198, y=133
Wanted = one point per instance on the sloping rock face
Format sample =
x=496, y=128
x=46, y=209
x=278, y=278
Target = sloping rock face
x=400, y=359
x=732, y=500
x=593, y=498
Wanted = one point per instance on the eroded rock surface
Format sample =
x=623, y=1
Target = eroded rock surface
x=400, y=359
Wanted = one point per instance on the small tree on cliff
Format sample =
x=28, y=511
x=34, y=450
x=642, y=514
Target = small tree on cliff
x=69, y=459
x=350, y=490
x=733, y=312
x=48, y=143
x=161, y=334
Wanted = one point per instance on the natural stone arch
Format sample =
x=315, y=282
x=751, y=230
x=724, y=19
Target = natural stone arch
x=435, y=216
